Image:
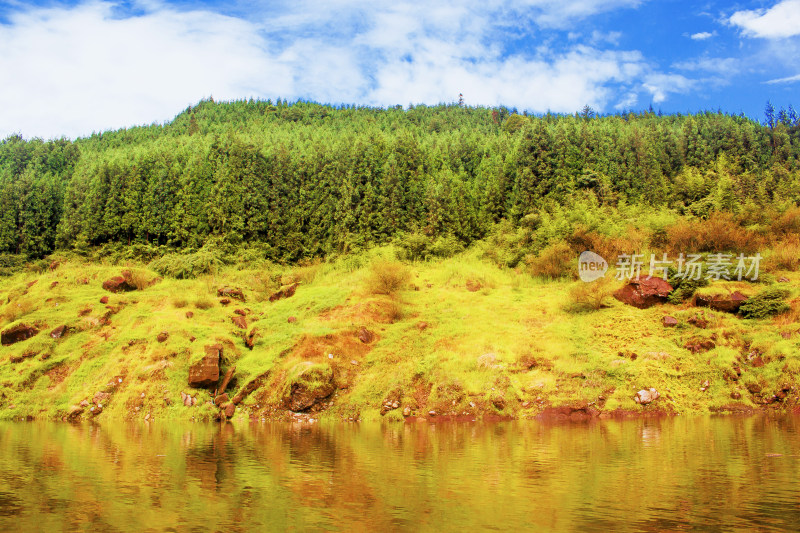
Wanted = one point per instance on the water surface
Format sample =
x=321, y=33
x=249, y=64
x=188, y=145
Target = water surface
x=638, y=475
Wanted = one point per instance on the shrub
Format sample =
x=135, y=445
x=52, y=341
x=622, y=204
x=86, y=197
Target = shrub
x=770, y=301
x=204, y=303
x=387, y=277
x=785, y=255
x=788, y=223
x=591, y=296
x=683, y=288
x=179, y=302
x=554, y=261
x=138, y=278
x=720, y=233
x=188, y=266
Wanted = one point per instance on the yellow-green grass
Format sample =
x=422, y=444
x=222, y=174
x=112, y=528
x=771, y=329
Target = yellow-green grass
x=459, y=337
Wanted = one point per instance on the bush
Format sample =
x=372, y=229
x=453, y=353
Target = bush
x=720, y=233
x=555, y=261
x=138, y=278
x=683, y=288
x=785, y=255
x=204, y=303
x=420, y=247
x=770, y=301
x=387, y=277
x=591, y=296
x=188, y=266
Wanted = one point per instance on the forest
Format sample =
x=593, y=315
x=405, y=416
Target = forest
x=294, y=181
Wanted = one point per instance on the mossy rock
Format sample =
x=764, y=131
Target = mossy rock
x=306, y=384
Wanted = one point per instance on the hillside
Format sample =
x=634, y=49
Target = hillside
x=367, y=337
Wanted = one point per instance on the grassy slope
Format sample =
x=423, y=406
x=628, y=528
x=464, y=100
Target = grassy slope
x=511, y=347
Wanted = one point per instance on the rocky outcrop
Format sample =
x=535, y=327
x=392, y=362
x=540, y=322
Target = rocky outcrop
x=287, y=291
x=205, y=372
x=239, y=321
x=118, y=284
x=644, y=292
x=18, y=333
x=728, y=303
x=311, y=384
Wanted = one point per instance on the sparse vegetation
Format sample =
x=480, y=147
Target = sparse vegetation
x=387, y=277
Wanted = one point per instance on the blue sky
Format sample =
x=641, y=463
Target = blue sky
x=74, y=67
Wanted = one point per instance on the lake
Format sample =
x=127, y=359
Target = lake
x=668, y=474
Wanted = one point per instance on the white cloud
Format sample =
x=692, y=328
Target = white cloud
x=660, y=85
x=780, y=21
x=724, y=66
x=701, y=36
x=86, y=68
x=74, y=71
x=790, y=79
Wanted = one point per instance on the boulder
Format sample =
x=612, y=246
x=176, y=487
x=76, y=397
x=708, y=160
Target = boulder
x=118, y=284
x=728, y=303
x=644, y=292
x=229, y=408
x=287, y=291
x=163, y=336
x=231, y=292
x=669, y=321
x=221, y=399
x=365, y=335
x=18, y=333
x=104, y=300
x=646, y=396
x=311, y=384
x=205, y=372
x=58, y=332
x=240, y=321
x=291, y=320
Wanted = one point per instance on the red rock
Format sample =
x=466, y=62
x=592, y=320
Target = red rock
x=162, y=337
x=422, y=326
x=735, y=395
x=240, y=312
x=231, y=292
x=287, y=291
x=225, y=301
x=291, y=320
x=669, y=321
x=697, y=345
x=229, y=409
x=54, y=285
x=699, y=321
x=189, y=314
x=240, y=321
x=644, y=292
x=58, y=332
x=104, y=300
x=192, y=338
x=221, y=399
x=205, y=373
x=365, y=335
x=118, y=284
x=100, y=397
x=18, y=333
x=728, y=304
x=250, y=338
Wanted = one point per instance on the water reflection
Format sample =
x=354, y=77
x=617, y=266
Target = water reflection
x=651, y=475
